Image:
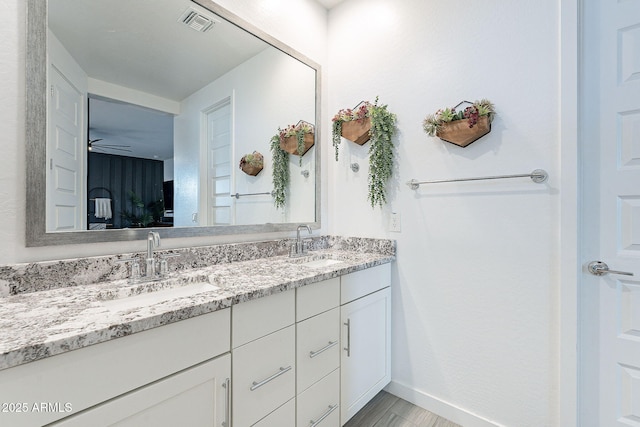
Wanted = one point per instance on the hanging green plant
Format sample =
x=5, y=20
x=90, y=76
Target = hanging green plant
x=383, y=127
x=280, y=172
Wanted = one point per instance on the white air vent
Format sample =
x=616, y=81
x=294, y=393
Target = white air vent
x=197, y=20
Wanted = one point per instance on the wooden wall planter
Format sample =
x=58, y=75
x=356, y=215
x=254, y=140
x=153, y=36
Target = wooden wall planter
x=251, y=170
x=459, y=133
x=357, y=130
x=290, y=144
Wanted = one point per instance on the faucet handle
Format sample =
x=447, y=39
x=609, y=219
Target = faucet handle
x=164, y=264
x=135, y=268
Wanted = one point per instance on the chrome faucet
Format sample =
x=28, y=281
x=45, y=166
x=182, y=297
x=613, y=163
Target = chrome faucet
x=153, y=241
x=298, y=248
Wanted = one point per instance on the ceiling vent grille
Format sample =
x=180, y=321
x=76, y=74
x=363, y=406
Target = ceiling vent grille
x=197, y=20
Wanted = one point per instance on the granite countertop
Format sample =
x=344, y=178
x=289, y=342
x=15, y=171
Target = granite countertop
x=40, y=324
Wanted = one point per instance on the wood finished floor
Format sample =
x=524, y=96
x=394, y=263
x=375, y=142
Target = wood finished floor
x=387, y=410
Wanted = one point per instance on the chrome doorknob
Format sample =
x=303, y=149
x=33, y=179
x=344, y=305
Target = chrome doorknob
x=600, y=268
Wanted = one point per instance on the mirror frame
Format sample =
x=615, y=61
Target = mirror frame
x=36, y=134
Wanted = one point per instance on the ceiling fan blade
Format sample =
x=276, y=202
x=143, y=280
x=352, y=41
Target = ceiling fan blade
x=114, y=148
x=111, y=145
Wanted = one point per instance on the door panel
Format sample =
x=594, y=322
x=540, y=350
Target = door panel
x=65, y=151
x=612, y=342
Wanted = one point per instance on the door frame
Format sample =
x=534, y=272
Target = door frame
x=203, y=194
x=570, y=167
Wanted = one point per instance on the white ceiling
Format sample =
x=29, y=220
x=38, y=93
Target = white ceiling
x=141, y=44
x=131, y=130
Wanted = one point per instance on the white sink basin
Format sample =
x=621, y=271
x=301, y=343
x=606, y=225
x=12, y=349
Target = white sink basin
x=319, y=263
x=157, y=296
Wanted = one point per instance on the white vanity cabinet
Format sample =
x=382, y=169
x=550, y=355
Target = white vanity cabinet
x=154, y=377
x=365, y=362
x=312, y=356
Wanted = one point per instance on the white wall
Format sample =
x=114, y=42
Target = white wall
x=474, y=296
x=306, y=33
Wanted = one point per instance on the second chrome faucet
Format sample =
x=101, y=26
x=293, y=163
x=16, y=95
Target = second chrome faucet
x=298, y=248
x=153, y=241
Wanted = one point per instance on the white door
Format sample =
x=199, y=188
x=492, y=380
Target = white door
x=218, y=200
x=610, y=336
x=65, y=154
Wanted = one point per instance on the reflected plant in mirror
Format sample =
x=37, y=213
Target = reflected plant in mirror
x=107, y=118
x=281, y=172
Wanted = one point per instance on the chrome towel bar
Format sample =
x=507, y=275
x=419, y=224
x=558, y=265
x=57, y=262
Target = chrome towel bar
x=238, y=195
x=538, y=176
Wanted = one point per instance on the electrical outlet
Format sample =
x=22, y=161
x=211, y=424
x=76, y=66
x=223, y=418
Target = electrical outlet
x=394, y=222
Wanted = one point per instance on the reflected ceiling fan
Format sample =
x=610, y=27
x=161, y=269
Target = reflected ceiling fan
x=97, y=146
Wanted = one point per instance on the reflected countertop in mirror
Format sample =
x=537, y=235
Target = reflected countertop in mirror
x=101, y=168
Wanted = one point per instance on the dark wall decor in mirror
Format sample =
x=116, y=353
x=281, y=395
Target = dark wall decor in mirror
x=138, y=114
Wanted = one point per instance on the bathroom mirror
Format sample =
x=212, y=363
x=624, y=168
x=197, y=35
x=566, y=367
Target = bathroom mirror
x=144, y=109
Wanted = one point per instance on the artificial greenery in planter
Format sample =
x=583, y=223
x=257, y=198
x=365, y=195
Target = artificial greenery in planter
x=139, y=216
x=280, y=172
x=297, y=139
x=450, y=125
x=252, y=164
x=371, y=122
x=352, y=124
x=383, y=127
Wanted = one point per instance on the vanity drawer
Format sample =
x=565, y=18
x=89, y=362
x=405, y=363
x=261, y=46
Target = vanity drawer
x=284, y=416
x=364, y=282
x=319, y=403
x=317, y=298
x=267, y=366
x=254, y=319
x=318, y=347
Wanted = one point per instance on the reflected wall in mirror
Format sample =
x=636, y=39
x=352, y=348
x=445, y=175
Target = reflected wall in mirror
x=150, y=107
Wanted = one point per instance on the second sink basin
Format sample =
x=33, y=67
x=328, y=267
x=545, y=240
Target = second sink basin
x=156, y=296
x=317, y=261
x=323, y=262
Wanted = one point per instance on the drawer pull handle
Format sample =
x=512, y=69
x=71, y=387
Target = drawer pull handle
x=227, y=403
x=325, y=415
x=257, y=385
x=348, y=347
x=313, y=354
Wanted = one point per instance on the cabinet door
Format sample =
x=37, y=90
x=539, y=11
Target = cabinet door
x=365, y=360
x=198, y=396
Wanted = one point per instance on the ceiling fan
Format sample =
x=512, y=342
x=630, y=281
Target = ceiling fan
x=95, y=145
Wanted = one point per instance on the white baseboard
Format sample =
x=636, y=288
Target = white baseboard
x=437, y=406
